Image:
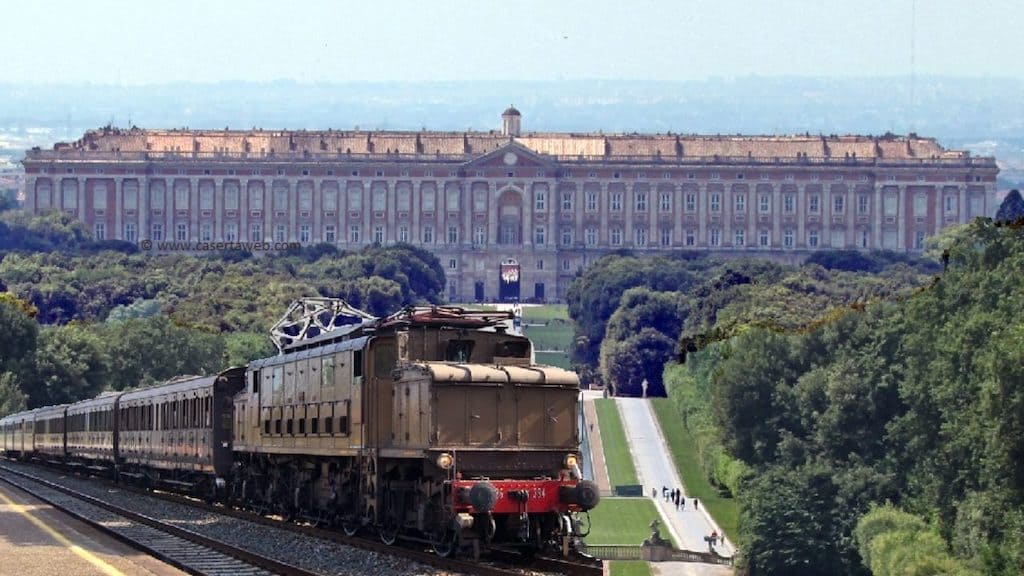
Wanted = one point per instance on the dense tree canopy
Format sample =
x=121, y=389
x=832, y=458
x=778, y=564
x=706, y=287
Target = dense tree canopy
x=77, y=316
x=917, y=401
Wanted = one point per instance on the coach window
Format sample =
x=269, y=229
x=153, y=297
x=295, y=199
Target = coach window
x=254, y=377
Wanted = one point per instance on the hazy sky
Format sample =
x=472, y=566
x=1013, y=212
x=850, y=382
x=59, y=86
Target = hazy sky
x=135, y=42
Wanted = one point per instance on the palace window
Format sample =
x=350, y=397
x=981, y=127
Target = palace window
x=714, y=237
x=666, y=202
x=453, y=200
x=919, y=239
x=739, y=237
x=453, y=264
x=453, y=234
x=862, y=204
x=591, y=201
x=403, y=233
x=206, y=232
x=691, y=237
x=539, y=235
x=716, y=202
x=181, y=233
x=640, y=201
x=355, y=199
x=99, y=231
x=566, y=264
x=480, y=200
x=354, y=234
x=616, y=236
x=764, y=204
x=740, y=203
x=304, y=234
x=764, y=238
x=566, y=236
x=428, y=200
x=691, y=202
x=812, y=238
x=666, y=236
x=864, y=238
x=256, y=232
x=480, y=235
x=428, y=234
x=838, y=204
x=812, y=204
x=280, y=233
x=590, y=236
x=280, y=199
x=540, y=200
x=788, y=203
x=540, y=264
x=330, y=235
x=640, y=236
x=787, y=238
x=616, y=202
x=950, y=204
x=566, y=201
x=130, y=234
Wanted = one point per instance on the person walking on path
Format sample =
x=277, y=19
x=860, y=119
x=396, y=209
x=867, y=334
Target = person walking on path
x=696, y=504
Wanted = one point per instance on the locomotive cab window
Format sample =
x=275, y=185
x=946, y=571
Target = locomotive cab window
x=513, y=349
x=357, y=364
x=459, y=351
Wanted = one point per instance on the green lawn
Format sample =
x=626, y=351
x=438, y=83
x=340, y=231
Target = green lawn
x=555, y=335
x=630, y=568
x=723, y=510
x=545, y=313
x=613, y=437
x=624, y=521
x=560, y=359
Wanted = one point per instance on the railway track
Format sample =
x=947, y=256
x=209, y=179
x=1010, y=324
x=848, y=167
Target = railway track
x=184, y=549
x=500, y=565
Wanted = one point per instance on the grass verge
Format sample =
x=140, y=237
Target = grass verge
x=684, y=454
x=616, y=451
x=624, y=521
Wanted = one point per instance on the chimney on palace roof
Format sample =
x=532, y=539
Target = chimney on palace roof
x=510, y=121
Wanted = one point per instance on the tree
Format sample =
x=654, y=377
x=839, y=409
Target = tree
x=18, y=331
x=147, y=350
x=70, y=365
x=12, y=399
x=244, y=347
x=1012, y=208
x=627, y=363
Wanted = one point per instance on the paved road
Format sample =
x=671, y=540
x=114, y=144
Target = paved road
x=655, y=469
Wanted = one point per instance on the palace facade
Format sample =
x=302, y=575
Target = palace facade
x=544, y=203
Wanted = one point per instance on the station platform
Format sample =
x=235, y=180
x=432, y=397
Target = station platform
x=38, y=540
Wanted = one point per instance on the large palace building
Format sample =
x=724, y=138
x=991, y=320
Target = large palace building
x=532, y=207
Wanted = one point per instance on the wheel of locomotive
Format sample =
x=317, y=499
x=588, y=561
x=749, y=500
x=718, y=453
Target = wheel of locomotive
x=350, y=525
x=389, y=524
x=442, y=535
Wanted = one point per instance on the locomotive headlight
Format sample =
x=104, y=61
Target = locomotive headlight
x=571, y=461
x=445, y=461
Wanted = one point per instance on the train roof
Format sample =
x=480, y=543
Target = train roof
x=179, y=384
x=101, y=401
x=534, y=375
x=350, y=344
x=47, y=411
x=176, y=385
